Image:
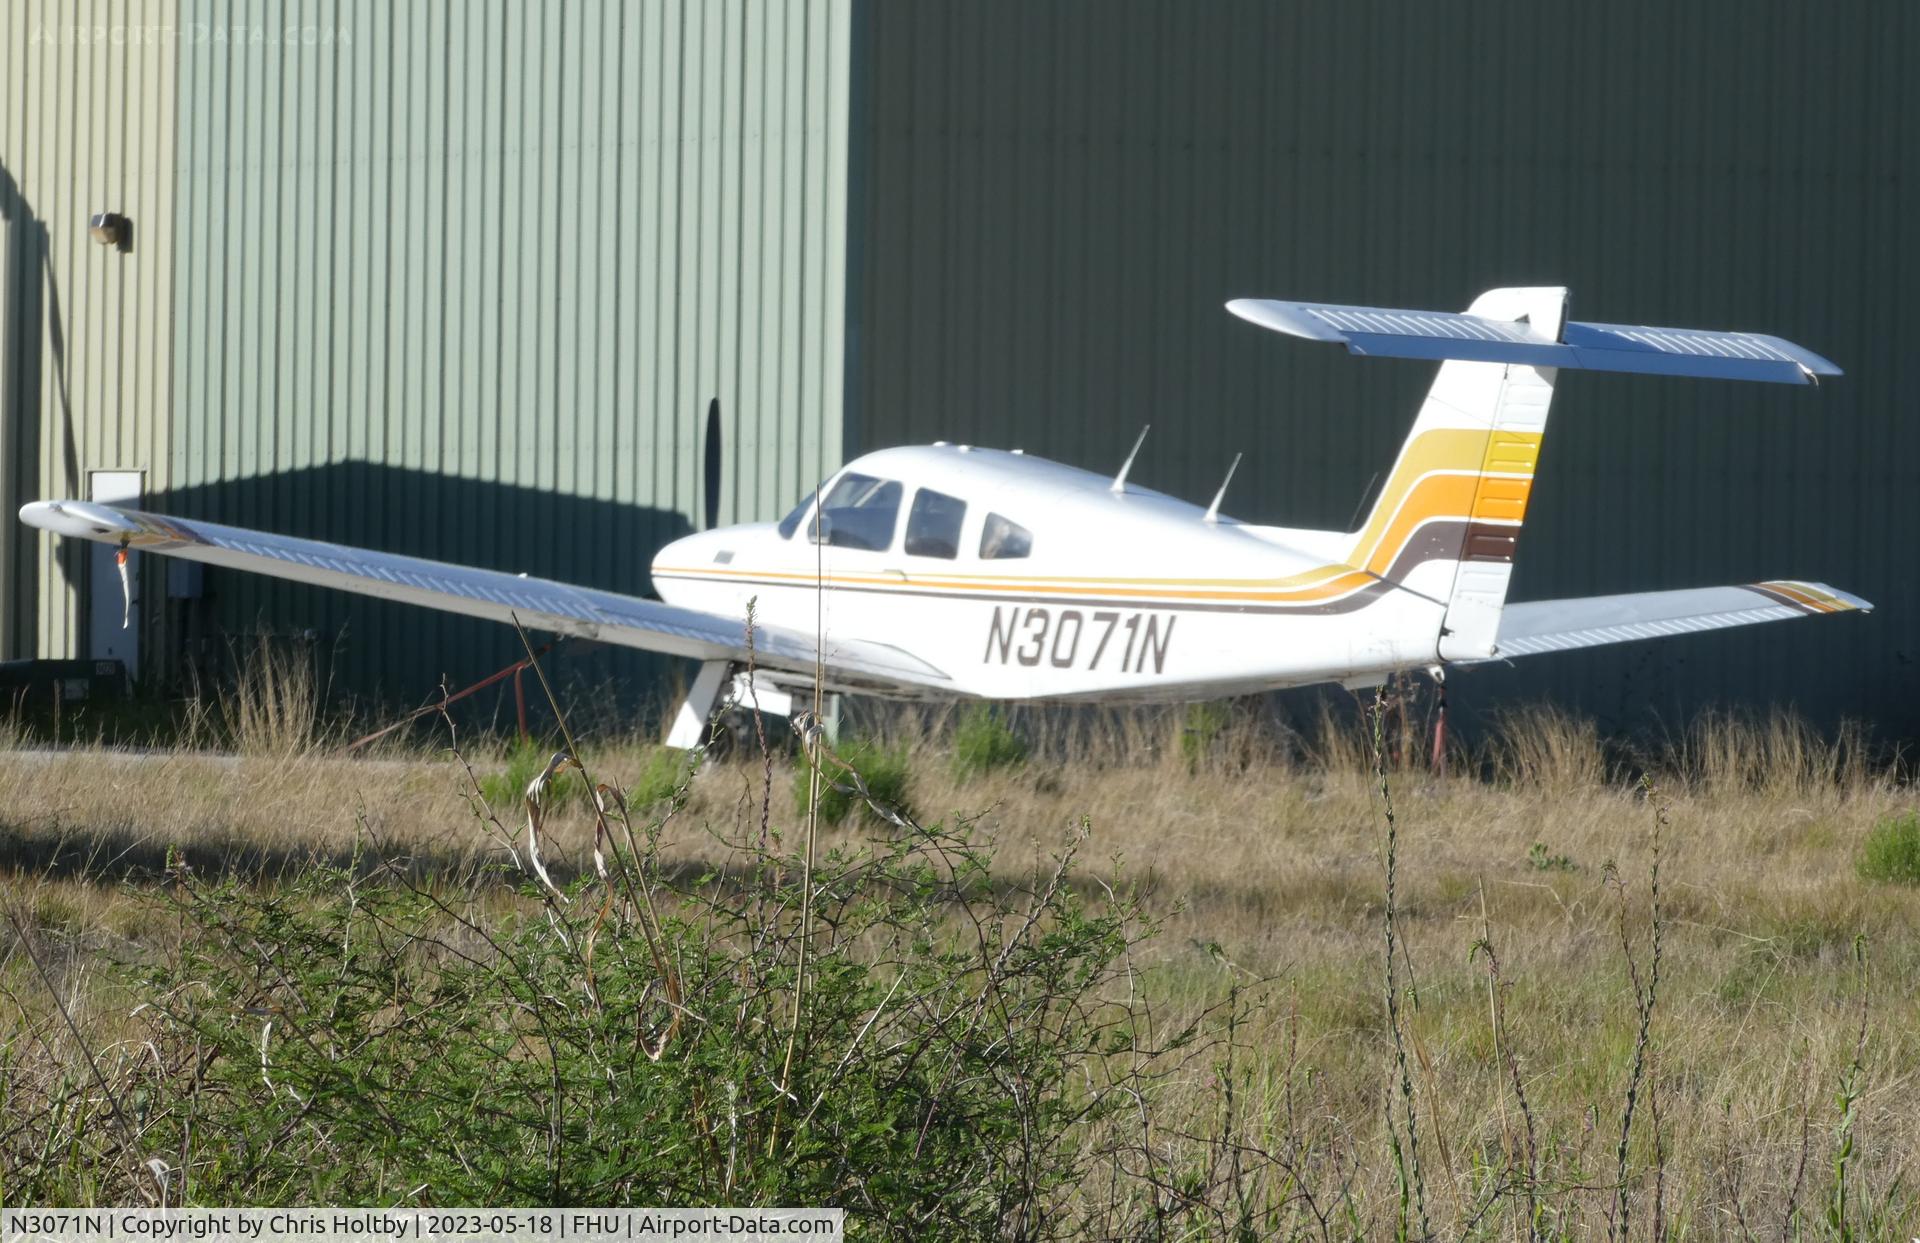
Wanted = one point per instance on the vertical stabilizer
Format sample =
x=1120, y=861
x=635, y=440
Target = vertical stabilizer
x=1449, y=515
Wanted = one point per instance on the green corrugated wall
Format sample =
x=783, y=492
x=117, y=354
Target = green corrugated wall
x=461, y=280
x=1057, y=198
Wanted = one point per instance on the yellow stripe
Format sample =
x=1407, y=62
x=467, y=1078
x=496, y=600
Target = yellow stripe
x=1436, y=496
x=1807, y=594
x=1001, y=580
x=1347, y=579
x=1513, y=453
x=1458, y=449
x=1415, y=494
x=1408, y=501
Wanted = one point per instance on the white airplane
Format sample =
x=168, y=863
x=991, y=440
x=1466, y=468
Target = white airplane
x=951, y=571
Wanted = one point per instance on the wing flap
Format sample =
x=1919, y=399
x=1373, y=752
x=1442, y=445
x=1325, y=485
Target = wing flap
x=1529, y=629
x=540, y=603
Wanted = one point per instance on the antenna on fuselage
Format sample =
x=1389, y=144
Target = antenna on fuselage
x=1359, y=506
x=1120, y=480
x=1213, y=510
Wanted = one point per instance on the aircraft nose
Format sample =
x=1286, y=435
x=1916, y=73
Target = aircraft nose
x=683, y=552
x=678, y=557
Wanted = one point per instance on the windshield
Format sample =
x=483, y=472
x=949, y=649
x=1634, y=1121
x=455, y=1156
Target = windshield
x=860, y=512
x=791, y=523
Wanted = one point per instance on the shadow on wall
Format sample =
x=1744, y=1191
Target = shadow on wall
x=388, y=656
x=34, y=337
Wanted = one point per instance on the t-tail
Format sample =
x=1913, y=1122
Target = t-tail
x=1446, y=524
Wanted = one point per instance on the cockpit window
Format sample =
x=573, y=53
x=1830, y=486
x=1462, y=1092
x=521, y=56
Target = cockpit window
x=1002, y=540
x=933, y=524
x=860, y=512
x=791, y=523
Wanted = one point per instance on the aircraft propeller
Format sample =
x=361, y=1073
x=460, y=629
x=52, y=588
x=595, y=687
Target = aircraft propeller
x=710, y=492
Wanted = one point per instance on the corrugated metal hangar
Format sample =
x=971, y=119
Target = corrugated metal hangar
x=466, y=280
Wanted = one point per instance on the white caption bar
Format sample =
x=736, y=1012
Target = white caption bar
x=411, y=1225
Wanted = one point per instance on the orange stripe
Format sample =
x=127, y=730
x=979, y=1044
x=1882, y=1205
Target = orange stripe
x=1506, y=477
x=1414, y=496
x=1470, y=452
x=1447, y=448
x=1803, y=594
x=1305, y=577
x=977, y=582
x=1436, y=496
x=1501, y=500
x=1347, y=580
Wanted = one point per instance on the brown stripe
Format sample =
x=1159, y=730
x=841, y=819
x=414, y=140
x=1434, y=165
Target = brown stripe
x=1490, y=542
x=1352, y=602
x=1781, y=597
x=1436, y=541
x=1454, y=539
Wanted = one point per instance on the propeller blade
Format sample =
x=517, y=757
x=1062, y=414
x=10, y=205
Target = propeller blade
x=712, y=481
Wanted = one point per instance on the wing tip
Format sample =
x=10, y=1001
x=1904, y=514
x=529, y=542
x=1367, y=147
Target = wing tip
x=1814, y=597
x=81, y=519
x=1284, y=317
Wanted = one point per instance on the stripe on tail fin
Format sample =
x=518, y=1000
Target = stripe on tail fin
x=1449, y=515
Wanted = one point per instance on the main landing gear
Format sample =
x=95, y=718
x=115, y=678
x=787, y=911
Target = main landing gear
x=720, y=706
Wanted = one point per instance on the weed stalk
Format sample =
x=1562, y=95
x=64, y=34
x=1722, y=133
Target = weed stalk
x=1393, y=995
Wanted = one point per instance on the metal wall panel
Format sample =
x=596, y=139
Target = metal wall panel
x=1055, y=199
x=460, y=280
x=86, y=107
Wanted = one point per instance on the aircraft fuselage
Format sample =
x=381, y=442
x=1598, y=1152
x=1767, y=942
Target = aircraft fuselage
x=1119, y=596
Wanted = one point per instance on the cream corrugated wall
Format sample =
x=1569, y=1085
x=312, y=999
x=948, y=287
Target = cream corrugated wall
x=86, y=125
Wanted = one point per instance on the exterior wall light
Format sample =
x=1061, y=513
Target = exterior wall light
x=112, y=229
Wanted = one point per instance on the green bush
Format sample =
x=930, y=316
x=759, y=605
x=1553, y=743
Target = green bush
x=1204, y=724
x=1892, y=850
x=506, y=786
x=666, y=770
x=1544, y=860
x=343, y=1039
x=983, y=741
x=883, y=769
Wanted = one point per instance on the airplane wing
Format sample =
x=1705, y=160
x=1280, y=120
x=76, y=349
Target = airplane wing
x=1562, y=625
x=539, y=603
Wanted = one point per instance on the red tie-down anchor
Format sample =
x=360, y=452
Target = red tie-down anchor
x=126, y=587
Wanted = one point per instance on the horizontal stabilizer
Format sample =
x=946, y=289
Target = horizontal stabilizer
x=1562, y=625
x=1388, y=333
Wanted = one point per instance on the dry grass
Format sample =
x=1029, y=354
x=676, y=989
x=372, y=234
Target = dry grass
x=1263, y=857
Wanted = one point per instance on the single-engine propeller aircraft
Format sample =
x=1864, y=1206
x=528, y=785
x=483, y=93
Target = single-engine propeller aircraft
x=952, y=571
